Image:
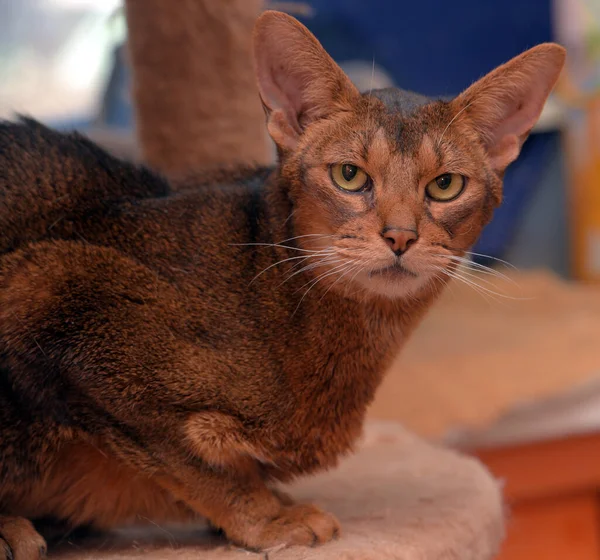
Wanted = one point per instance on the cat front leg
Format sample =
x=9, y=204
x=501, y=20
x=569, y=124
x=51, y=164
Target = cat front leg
x=249, y=513
x=237, y=500
x=216, y=475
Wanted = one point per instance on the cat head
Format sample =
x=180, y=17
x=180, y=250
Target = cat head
x=391, y=187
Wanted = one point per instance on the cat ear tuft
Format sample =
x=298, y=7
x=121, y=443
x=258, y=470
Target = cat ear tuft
x=298, y=81
x=505, y=105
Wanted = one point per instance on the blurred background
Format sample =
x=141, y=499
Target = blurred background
x=510, y=373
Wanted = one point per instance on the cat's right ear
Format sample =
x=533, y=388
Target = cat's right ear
x=298, y=81
x=505, y=105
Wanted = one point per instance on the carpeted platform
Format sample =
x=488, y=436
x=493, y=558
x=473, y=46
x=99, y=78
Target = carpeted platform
x=397, y=498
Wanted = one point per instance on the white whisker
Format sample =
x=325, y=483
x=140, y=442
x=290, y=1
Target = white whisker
x=274, y=245
x=452, y=120
x=479, y=267
x=469, y=279
x=289, y=217
x=320, y=235
x=350, y=269
x=311, y=266
x=493, y=258
x=360, y=268
x=470, y=273
x=324, y=274
x=469, y=283
x=369, y=100
x=303, y=257
x=314, y=282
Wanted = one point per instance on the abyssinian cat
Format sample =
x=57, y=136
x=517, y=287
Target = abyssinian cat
x=170, y=355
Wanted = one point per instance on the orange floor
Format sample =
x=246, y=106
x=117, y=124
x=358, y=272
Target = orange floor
x=553, y=494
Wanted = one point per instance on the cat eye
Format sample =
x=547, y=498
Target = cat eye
x=446, y=187
x=349, y=177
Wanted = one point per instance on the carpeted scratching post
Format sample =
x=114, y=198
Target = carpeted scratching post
x=398, y=497
x=193, y=84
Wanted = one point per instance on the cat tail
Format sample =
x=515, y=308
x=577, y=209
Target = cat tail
x=50, y=179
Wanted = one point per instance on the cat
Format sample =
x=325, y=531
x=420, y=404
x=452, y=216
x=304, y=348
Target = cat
x=171, y=355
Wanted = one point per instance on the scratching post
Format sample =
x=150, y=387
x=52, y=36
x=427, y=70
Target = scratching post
x=398, y=498
x=194, y=90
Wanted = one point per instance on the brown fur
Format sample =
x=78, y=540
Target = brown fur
x=85, y=485
x=163, y=356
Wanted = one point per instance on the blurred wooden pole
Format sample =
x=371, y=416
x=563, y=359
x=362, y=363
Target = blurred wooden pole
x=194, y=92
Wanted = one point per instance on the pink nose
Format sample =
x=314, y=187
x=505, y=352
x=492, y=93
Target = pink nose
x=399, y=239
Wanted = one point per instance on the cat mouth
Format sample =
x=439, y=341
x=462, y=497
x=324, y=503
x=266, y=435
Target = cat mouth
x=394, y=270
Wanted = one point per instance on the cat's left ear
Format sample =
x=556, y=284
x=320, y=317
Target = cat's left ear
x=505, y=105
x=298, y=81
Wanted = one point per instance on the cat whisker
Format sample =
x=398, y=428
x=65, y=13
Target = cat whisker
x=324, y=254
x=470, y=280
x=474, y=273
x=303, y=257
x=320, y=235
x=476, y=267
x=437, y=287
x=327, y=272
x=289, y=217
x=451, y=288
x=479, y=268
x=370, y=91
x=494, y=274
x=360, y=269
x=311, y=266
x=492, y=258
x=315, y=281
x=471, y=284
x=323, y=274
x=298, y=264
x=350, y=269
x=466, y=280
x=360, y=290
x=439, y=142
x=274, y=245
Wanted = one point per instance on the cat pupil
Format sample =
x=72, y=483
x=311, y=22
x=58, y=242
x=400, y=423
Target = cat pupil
x=443, y=182
x=349, y=172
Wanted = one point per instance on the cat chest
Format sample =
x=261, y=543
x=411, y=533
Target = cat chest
x=315, y=446
x=327, y=424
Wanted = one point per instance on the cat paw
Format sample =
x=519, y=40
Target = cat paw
x=19, y=540
x=301, y=524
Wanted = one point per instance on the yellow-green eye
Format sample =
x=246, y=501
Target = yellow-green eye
x=349, y=177
x=445, y=187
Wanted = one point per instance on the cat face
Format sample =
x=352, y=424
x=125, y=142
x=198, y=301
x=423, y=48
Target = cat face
x=398, y=197
x=390, y=188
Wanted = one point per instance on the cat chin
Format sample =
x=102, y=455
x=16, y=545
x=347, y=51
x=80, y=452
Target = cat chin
x=394, y=288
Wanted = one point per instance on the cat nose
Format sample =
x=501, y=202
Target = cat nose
x=399, y=239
